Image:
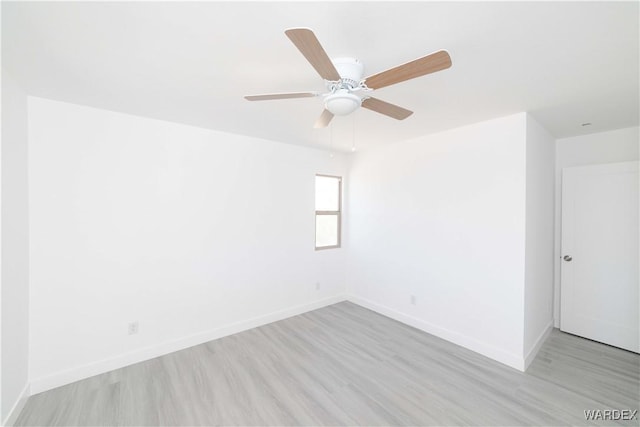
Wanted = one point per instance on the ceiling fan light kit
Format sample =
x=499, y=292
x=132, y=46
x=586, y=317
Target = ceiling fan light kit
x=344, y=82
x=342, y=103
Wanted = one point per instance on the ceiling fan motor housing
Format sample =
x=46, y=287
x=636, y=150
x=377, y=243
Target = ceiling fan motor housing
x=350, y=69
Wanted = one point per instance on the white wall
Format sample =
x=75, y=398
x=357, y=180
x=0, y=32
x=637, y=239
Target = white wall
x=620, y=145
x=442, y=217
x=193, y=233
x=15, y=250
x=538, y=298
x=139, y=219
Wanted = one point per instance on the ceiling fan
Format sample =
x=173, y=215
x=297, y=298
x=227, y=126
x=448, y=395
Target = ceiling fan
x=347, y=90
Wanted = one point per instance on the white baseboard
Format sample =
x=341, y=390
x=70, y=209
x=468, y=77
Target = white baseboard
x=538, y=344
x=499, y=355
x=17, y=407
x=58, y=379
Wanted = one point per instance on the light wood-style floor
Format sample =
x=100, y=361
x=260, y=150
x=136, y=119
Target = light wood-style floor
x=346, y=365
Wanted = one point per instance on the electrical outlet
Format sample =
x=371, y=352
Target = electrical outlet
x=413, y=299
x=317, y=286
x=133, y=328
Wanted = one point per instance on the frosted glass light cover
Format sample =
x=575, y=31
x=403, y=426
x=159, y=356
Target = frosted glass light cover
x=342, y=103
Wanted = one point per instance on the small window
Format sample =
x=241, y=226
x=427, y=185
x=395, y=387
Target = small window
x=328, y=211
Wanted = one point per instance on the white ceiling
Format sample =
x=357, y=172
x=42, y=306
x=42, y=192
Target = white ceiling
x=565, y=62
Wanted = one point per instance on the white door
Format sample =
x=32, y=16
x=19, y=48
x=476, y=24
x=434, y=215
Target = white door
x=600, y=295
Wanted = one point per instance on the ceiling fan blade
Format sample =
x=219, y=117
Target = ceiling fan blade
x=324, y=119
x=310, y=47
x=427, y=64
x=270, y=96
x=387, y=109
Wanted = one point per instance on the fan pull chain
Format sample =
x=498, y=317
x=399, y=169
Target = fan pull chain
x=353, y=134
x=331, y=141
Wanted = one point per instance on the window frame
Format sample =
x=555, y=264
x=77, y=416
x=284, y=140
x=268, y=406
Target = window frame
x=337, y=213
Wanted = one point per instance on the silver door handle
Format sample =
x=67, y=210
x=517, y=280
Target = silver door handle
x=567, y=258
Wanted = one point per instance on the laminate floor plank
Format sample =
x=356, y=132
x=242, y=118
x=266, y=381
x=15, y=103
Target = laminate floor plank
x=346, y=365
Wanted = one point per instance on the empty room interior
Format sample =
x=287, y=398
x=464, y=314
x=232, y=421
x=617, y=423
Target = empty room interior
x=320, y=213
